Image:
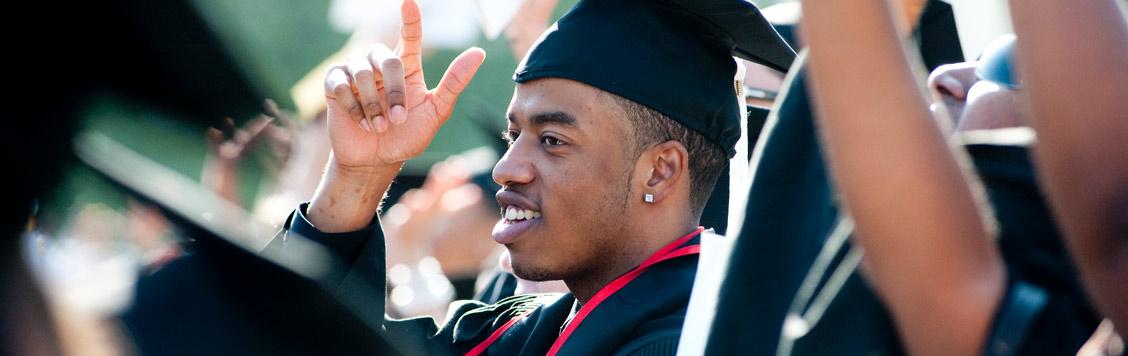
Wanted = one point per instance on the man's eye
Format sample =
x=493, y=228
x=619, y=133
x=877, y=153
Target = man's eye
x=551, y=141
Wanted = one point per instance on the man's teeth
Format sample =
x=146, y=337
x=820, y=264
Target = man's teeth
x=516, y=214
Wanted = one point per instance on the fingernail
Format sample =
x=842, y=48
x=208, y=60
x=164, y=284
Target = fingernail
x=398, y=115
x=364, y=125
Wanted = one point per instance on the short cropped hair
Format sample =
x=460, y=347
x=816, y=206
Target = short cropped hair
x=706, y=160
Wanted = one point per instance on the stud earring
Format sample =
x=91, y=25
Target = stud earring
x=649, y=198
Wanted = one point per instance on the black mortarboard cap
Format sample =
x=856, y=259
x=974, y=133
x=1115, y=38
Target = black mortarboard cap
x=673, y=56
x=226, y=298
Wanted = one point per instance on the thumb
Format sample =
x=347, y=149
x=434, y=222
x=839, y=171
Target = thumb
x=456, y=78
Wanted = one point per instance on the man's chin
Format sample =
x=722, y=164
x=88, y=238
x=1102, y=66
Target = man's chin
x=533, y=273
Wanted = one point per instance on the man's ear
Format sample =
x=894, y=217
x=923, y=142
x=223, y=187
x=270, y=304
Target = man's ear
x=666, y=165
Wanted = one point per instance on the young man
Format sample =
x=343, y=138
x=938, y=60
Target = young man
x=623, y=116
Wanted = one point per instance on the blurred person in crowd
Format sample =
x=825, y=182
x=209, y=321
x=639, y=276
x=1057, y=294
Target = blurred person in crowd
x=806, y=289
x=440, y=241
x=981, y=94
x=527, y=25
x=975, y=290
x=293, y=158
x=1078, y=110
x=226, y=150
x=581, y=204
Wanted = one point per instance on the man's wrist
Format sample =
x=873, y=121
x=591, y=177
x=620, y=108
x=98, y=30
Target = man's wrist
x=349, y=197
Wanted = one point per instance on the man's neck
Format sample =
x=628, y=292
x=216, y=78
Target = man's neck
x=585, y=286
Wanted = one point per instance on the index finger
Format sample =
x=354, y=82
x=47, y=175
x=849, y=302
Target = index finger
x=411, y=34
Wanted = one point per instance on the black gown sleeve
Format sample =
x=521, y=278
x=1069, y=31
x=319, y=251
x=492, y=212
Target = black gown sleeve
x=362, y=284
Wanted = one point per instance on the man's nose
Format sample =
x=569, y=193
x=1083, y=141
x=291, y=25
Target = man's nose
x=515, y=167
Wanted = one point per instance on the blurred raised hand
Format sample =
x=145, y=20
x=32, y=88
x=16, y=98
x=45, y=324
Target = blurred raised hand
x=528, y=24
x=226, y=148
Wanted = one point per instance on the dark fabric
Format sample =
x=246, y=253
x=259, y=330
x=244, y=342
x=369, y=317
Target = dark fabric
x=1051, y=317
x=757, y=117
x=640, y=50
x=1031, y=245
x=653, y=304
x=648, y=303
x=855, y=323
x=464, y=287
x=787, y=32
x=1020, y=305
x=716, y=211
x=222, y=300
x=659, y=346
x=936, y=35
x=789, y=213
x=359, y=284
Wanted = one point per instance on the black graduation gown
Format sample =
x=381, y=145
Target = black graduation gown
x=221, y=300
x=790, y=232
x=644, y=317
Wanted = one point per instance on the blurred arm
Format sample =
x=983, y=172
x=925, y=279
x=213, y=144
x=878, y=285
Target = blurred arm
x=527, y=25
x=1079, y=109
x=927, y=244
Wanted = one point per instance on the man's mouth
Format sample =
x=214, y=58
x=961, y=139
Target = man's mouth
x=515, y=214
x=518, y=215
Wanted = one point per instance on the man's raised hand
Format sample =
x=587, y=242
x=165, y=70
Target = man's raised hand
x=380, y=111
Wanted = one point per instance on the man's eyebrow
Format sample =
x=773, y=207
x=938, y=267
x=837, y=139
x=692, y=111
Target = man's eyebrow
x=554, y=117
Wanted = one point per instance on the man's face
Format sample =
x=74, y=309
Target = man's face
x=975, y=104
x=568, y=167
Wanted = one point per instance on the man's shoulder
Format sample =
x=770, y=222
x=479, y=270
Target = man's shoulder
x=471, y=321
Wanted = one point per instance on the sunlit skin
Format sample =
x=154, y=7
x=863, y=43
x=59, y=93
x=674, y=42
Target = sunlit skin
x=1076, y=85
x=570, y=159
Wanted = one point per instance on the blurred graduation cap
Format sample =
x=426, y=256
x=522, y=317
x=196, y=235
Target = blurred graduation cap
x=226, y=297
x=673, y=56
x=164, y=53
